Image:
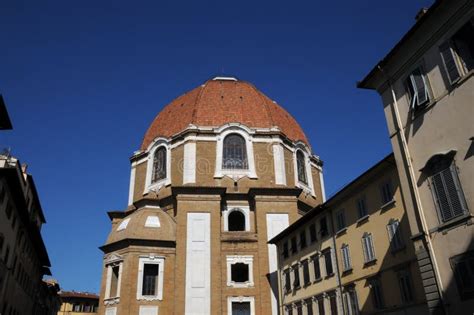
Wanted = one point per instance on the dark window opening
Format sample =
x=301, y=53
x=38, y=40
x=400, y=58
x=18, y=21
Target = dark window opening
x=317, y=268
x=301, y=167
x=114, y=281
x=150, y=279
x=285, y=249
x=417, y=88
x=241, y=308
x=239, y=272
x=303, y=239
x=324, y=227
x=236, y=221
x=235, y=153
x=328, y=262
x=159, y=165
x=463, y=266
x=296, y=275
x=306, y=278
x=294, y=246
x=312, y=233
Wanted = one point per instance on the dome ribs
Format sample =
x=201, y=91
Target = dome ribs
x=219, y=102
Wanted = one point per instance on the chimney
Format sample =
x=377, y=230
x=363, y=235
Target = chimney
x=421, y=13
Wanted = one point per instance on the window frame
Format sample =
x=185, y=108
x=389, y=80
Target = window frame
x=226, y=151
x=110, y=263
x=459, y=276
x=240, y=299
x=377, y=293
x=395, y=234
x=346, y=258
x=245, y=210
x=341, y=223
x=242, y=259
x=368, y=243
x=235, y=174
x=403, y=275
x=410, y=84
x=152, y=260
x=327, y=253
x=157, y=185
x=452, y=168
x=309, y=186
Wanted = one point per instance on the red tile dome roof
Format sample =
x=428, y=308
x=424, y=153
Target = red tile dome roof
x=220, y=101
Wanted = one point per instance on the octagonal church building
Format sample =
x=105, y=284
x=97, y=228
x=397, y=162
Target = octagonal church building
x=221, y=170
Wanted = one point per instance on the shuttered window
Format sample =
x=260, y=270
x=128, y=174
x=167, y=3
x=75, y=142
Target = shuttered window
x=306, y=278
x=406, y=289
x=395, y=235
x=341, y=220
x=450, y=64
x=417, y=88
x=328, y=262
x=447, y=193
x=287, y=281
x=346, y=258
x=368, y=247
x=387, y=193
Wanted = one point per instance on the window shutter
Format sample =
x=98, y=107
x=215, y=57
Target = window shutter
x=453, y=190
x=419, y=86
x=447, y=193
x=449, y=61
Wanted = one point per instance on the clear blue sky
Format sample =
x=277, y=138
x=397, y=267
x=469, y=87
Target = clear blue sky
x=83, y=80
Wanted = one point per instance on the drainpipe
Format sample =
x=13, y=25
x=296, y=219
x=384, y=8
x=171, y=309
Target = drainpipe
x=412, y=182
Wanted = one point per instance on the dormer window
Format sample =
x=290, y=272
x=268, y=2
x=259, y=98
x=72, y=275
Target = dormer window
x=301, y=167
x=159, y=165
x=235, y=154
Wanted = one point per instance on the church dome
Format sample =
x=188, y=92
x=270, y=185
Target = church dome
x=219, y=101
x=144, y=224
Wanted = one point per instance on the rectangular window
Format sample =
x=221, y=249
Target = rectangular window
x=376, y=291
x=309, y=307
x=321, y=307
x=333, y=303
x=463, y=267
x=150, y=278
x=241, y=308
x=303, y=239
x=317, y=267
x=296, y=277
x=406, y=289
x=323, y=226
x=114, y=281
x=285, y=249
x=312, y=232
x=340, y=220
x=361, y=207
x=447, y=193
x=346, y=259
x=350, y=302
x=306, y=277
x=368, y=247
x=387, y=193
x=287, y=280
x=289, y=310
x=395, y=235
x=77, y=308
x=328, y=262
x=417, y=88
x=299, y=308
x=294, y=245
x=458, y=53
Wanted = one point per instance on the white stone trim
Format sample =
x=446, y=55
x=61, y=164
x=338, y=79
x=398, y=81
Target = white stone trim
x=279, y=163
x=109, y=266
x=123, y=225
x=230, y=208
x=240, y=299
x=321, y=183
x=152, y=221
x=309, y=188
x=111, y=311
x=235, y=174
x=149, y=186
x=131, y=188
x=155, y=260
x=234, y=259
x=189, y=163
x=148, y=310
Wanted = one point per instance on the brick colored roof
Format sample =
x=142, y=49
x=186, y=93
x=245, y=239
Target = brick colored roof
x=218, y=102
x=74, y=294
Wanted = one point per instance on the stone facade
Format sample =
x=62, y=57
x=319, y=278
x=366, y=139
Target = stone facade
x=431, y=130
x=206, y=250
